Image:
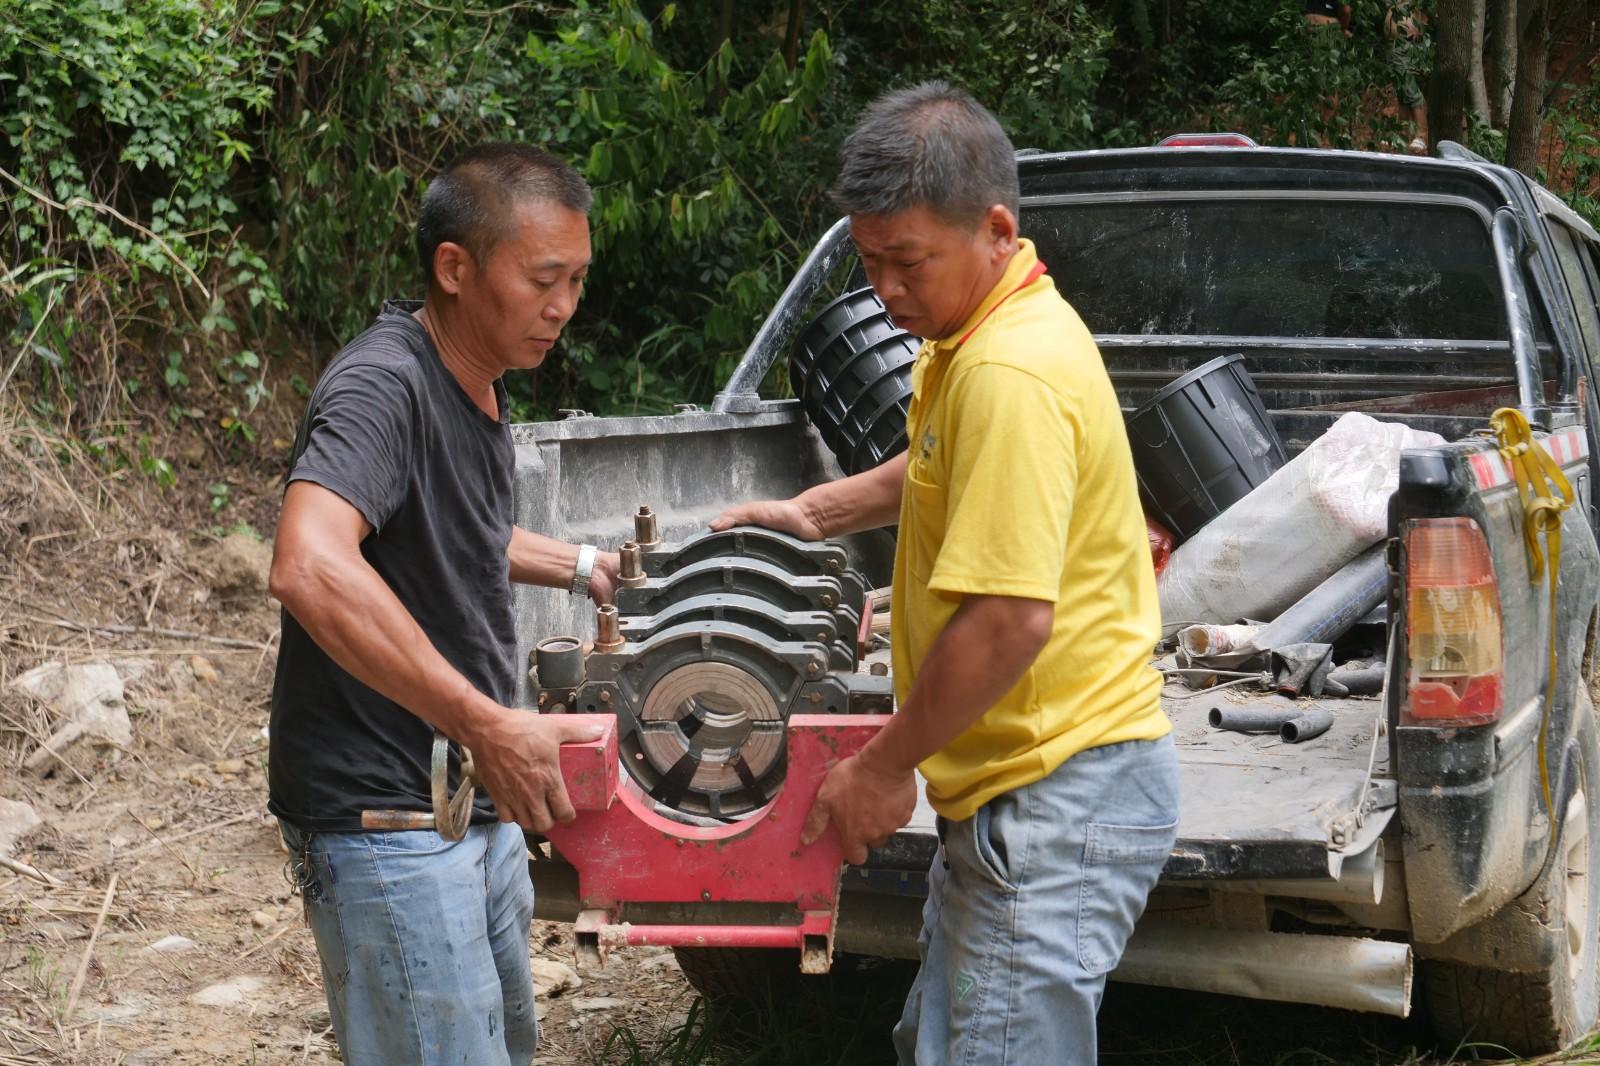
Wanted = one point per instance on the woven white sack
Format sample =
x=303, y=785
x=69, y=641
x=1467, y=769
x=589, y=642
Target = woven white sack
x=1295, y=529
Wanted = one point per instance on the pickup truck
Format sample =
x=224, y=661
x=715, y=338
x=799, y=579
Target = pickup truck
x=1449, y=839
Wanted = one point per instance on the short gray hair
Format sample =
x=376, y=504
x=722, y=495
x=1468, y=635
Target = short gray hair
x=471, y=202
x=932, y=146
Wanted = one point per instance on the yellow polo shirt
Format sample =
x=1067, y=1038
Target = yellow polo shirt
x=1020, y=483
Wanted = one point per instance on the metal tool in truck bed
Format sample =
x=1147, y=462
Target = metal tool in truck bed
x=725, y=675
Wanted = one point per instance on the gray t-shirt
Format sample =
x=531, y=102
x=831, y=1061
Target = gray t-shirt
x=390, y=430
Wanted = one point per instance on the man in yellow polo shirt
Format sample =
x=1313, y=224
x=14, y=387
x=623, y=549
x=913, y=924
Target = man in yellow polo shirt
x=1024, y=608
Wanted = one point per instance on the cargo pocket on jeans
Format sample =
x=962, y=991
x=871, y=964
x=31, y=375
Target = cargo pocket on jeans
x=1120, y=865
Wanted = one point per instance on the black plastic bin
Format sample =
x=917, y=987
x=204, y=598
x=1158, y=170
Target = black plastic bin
x=851, y=369
x=1201, y=444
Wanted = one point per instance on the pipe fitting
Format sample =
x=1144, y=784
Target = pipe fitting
x=558, y=663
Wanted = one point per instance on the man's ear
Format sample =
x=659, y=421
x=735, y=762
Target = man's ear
x=452, y=265
x=1001, y=226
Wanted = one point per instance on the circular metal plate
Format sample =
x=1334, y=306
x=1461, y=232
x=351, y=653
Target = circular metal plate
x=709, y=732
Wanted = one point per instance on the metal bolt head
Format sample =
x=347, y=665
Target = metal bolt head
x=605, y=695
x=705, y=894
x=813, y=669
x=826, y=599
x=815, y=697
x=879, y=669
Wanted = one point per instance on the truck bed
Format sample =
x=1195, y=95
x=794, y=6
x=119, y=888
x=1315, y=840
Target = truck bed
x=1253, y=807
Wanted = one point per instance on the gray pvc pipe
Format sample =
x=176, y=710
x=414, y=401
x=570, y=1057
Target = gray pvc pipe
x=1327, y=612
x=1252, y=719
x=1313, y=723
x=1367, y=681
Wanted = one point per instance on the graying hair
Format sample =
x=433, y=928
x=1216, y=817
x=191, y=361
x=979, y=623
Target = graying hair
x=471, y=202
x=932, y=146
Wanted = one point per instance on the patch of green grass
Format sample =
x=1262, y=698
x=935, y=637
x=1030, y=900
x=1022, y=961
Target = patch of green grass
x=691, y=1044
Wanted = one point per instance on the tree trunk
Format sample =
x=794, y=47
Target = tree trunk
x=1503, y=57
x=1477, y=86
x=791, y=33
x=1452, y=66
x=1527, y=98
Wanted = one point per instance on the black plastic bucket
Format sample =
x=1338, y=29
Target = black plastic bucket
x=1201, y=444
x=851, y=369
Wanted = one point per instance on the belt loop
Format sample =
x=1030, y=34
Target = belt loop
x=941, y=826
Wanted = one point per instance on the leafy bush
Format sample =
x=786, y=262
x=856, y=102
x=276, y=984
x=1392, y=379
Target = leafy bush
x=194, y=187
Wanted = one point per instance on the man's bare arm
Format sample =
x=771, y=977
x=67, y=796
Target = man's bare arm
x=321, y=578
x=540, y=560
x=869, y=500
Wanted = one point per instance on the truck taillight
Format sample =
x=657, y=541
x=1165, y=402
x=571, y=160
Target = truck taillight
x=1455, y=674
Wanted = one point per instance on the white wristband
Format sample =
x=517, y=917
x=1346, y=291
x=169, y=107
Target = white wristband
x=585, y=568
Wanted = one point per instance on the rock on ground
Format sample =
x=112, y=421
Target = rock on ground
x=236, y=992
x=552, y=978
x=17, y=820
x=86, y=701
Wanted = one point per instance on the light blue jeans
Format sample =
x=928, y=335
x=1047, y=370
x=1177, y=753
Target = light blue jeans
x=424, y=943
x=1030, y=903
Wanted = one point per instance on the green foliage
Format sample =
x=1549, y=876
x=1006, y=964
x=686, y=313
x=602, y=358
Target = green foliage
x=1314, y=86
x=193, y=188
x=688, y=254
x=1573, y=152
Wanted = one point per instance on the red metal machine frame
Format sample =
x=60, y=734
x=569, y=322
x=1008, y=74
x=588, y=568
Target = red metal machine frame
x=625, y=853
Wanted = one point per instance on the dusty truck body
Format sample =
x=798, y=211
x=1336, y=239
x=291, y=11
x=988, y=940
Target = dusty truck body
x=1461, y=846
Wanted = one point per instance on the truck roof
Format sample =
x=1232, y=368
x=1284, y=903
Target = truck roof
x=1157, y=172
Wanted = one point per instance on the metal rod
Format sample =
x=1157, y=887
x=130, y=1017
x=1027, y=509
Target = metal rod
x=741, y=394
x=1509, y=245
x=712, y=936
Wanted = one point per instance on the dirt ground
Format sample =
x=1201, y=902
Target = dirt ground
x=147, y=918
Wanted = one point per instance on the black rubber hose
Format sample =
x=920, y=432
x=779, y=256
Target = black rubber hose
x=1313, y=723
x=1252, y=719
x=1367, y=681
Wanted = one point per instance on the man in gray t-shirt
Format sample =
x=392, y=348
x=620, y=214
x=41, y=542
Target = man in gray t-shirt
x=394, y=560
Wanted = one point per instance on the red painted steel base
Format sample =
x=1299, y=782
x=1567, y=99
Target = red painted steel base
x=627, y=854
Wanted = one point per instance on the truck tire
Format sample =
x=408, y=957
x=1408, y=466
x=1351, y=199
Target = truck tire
x=1548, y=1009
x=750, y=981
x=738, y=977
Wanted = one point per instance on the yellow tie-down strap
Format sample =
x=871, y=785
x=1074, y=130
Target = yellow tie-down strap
x=1545, y=492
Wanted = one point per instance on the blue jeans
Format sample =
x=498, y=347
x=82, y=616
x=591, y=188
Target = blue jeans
x=1030, y=903
x=424, y=943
